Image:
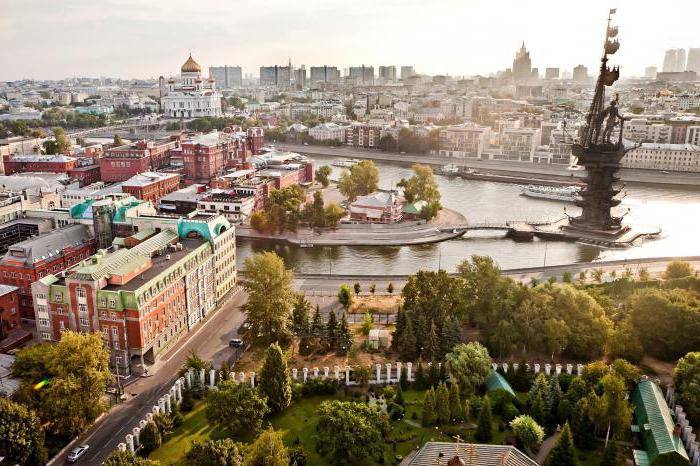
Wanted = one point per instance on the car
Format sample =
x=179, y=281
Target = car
x=235, y=342
x=76, y=453
x=244, y=328
x=665, y=172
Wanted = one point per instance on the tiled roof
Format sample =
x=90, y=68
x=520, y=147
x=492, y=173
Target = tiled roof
x=470, y=453
x=48, y=245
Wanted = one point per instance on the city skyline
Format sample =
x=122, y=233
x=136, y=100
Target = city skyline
x=136, y=40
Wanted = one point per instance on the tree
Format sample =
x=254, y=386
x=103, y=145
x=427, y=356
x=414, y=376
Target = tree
x=678, y=269
x=442, y=404
x=433, y=348
x=268, y=450
x=118, y=140
x=390, y=288
x=611, y=456
x=237, y=407
x=686, y=377
x=150, y=438
x=470, y=363
x=323, y=174
x=260, y=222
x=360, y=180
x=373, y=288
x=345, y=296
x=611, y=411
x=367, y=323
x=300, y=314
x=527, y=431
x=434, y=374
x=77, y=368
x=407, y=345
x=275, y=382
x=563, y=453
x=333, y=213
x=357, y=288
x=422, y=187
x=125, y=458
x=450, y=335
x=164, y=423
x=223, y=452
x=429, y=412
x=403, y=379
x=419, y=381
x=314, y=212
x=348, y=431
x=344, y=336
x=270, y=294
x=456, y=408
x=484, y=429
x=332, y=331
x=317, y=329
x=644, y=275
x=582, y=425
x=60, y=142
x=21, y=434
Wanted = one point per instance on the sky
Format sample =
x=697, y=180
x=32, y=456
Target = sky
x=44, y=39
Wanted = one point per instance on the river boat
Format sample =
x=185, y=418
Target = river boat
x=346, y=163
x=553, y=193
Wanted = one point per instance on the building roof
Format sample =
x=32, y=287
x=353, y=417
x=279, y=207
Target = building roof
x=52, y=158
x=8, y=384
x=414, y=207
x=654, y=422
x=191, y=66
x=5, y=289
x=496, y=381
x=379, y=200
x=147, y=178
x=48, y=245
x=191, y=193
x=684, y=147
x=474, y=454
x=298, y=128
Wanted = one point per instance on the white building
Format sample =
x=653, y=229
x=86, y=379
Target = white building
x=322, y=109
x=518, y=144
x=192, y=96
x=328, y=132
x=672, y=157
x=464, y=141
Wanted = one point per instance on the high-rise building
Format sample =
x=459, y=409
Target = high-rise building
x=522, y=65
x=674, y=61
x=227, y=76
x=275, y=75
x=325, y=74
x=387, y=73
x=650, y=72
x=363, y=74
x=300, y=77
x=580, y=73
x=551, y=73
x=693, y=60
x=407, y=72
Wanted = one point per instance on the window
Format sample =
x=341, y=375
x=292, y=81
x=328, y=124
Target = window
x=103, y=302
x=82, y=308
x=20, y=276
x=62, y=325
x=45, y=335
x=44, y=322
x=116, y=344
x=113, y=315
x=83, y=322
x=80, y=291
x=4, y=274
x=12, y=274
x=58, y=296
x=115, y=331
x=103, y=315
x=112, y=302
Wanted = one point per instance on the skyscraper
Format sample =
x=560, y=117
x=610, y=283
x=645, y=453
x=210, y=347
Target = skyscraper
x=363, y=74
x=674, y=61
x=227, y=76
x=551, y=73
x=522, y=65
x=275, y=75
x=387, y=73
x=580, y=73
x=407, y=71
x=325, y=74
x=650, y=72
x=693, y=60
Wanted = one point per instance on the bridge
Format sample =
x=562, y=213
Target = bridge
x=116, y=128
x=518, y=229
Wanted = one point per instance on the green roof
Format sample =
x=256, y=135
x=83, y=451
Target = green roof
x=144, y=234
x=78, y=210
x=414, y=207
x=640, y=458
x=496, y=381
x=655, y=423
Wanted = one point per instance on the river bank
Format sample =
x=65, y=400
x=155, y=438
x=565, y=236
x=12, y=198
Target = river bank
x=355, y=234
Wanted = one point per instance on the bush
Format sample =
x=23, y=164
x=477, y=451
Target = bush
x=187, y=403
x=510, y=412
x=320, y=387
x=396, y=411
x=297, y=391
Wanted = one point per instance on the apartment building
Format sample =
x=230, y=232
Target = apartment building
x=464, y=141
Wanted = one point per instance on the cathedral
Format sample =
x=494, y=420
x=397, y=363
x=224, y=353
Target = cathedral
x=191, y=96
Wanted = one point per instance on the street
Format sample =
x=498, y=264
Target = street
x=209, y=340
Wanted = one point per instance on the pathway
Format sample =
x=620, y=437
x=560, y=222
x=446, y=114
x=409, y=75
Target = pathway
x=546, y=447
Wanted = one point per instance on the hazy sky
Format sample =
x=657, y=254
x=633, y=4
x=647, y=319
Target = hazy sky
x=146, y=38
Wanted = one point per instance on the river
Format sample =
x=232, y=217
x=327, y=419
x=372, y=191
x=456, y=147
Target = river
x=675, y=209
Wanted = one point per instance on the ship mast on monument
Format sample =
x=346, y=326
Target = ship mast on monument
x=600, y=153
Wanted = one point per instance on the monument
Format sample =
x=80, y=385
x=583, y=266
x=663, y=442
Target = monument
x=600, y=155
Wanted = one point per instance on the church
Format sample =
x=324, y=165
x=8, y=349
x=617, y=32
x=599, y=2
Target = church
x=191, y=96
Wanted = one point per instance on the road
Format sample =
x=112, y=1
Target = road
x=209, y=340
x=324, y=285
x=626, y=174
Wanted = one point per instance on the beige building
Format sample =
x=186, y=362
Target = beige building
x=671, y=157
x=464, y=141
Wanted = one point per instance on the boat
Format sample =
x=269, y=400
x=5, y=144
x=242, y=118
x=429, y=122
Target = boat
x=552, y=193
x=450, y=169
x=346, y=163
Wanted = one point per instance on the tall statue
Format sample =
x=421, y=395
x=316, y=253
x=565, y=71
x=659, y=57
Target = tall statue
x=614, y=118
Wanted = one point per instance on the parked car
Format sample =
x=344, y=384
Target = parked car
x=244, y=327
x=76, y=453
x=235, y=343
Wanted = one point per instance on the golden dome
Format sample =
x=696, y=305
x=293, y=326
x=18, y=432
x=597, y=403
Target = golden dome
x=191, y=66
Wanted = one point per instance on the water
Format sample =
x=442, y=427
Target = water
x=676, y=209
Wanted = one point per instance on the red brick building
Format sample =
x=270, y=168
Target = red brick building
x=49, y=253
x=123, y=162
x=86, y=174
x=207, y=155
x=57, y=163
x=151, y=186
x=363, y=135
x=9, y=309
x=256, y=139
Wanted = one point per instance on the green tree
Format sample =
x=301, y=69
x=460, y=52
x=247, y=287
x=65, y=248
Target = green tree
x=563, y=453
x=224, y=452
x=77, y=368
x=611, y=411
x=333, y=213
x=150, y=438
x=345, y=296
x=373, y=288
x=422, y=187
x=484, y=429
x=390, y=288
x=678, y=269
x=237, y=407
x=527, y=431
x=611, y=456
x=686, y=377
x=350, y=432
x=344, y=336
x=300, y=314
x=360, y=180
x=442, y=402
x=470, y=363
x=268, y=450
x=582, y=426
x=125, y=458
x=367, y=323
x=317, y=329
x=456, y=408
x=21, y=434
x=270, y=295
x=357, y=288
x=332, y=331
x=408, y=343
x=403, y=379
x=419, y=380
x=275, y=382
x=164, y=423
x=429, y=408
x=59, y=144
x=118, y=141
x=450, y=335
x=323, y=174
